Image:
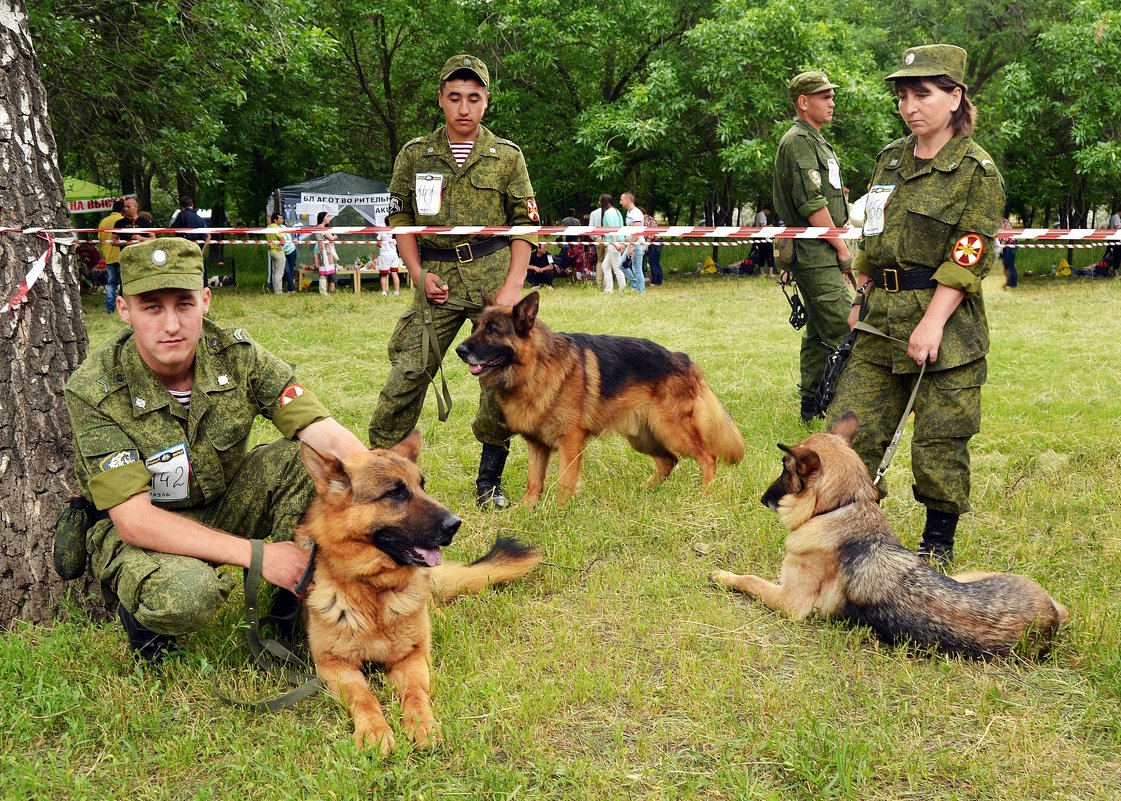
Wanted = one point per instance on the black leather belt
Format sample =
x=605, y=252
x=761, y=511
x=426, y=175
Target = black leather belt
x=892, y=280
x=465, y=251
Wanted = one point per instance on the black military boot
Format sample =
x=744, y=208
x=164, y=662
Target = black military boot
x=488, y=486
x=937, y=545
x=146, y=644
x=810, y=408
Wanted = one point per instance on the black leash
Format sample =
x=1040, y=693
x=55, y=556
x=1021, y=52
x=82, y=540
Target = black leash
x=269, y=654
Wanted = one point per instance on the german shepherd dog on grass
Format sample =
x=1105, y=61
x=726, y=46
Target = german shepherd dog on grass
x=378, y=566
x=557, y=390
x=843, y=561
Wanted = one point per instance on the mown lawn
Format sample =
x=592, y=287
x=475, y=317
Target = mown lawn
x=616, y=670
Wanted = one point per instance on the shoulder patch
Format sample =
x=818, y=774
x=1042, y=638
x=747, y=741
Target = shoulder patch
x=896, y=145
x=507, y=142
x=118, y=459
x=985, y=161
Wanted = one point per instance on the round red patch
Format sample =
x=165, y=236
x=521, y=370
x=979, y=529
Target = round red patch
x=968, y=250
x=290, y=393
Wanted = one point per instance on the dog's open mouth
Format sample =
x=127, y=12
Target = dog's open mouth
x=478, y=368
x=428, y=557
x=396, y=544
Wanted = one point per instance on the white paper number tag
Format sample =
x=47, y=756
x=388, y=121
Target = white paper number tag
x=429, y=186
x=171, y=472
x=834, y=173
x=874, y=207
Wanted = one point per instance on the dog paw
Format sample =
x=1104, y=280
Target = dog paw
x=379, y=738
x=723, y=578
x=425, y=733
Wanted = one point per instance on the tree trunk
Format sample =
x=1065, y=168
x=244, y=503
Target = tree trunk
x=41, y=341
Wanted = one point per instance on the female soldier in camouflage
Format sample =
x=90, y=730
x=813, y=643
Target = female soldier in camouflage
x=935, y=205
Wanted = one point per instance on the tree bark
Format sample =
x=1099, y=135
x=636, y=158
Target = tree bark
x=41, y=341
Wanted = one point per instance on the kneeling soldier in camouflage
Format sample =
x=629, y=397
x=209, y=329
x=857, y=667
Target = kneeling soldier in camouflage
x=161, y=418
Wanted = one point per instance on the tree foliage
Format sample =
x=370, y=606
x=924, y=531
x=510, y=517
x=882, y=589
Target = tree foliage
x=681, y=103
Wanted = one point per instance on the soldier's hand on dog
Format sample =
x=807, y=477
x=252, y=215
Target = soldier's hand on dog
x=435, y=289
x=284, y=565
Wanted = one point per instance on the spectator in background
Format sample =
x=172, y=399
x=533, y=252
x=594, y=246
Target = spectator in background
x=188, y=217
x=636, y=247
x=131, y=219
x=275, y=239
x=1112, y=257
x=388, y=262
x=654, y=254
x=91, y=266
x=614, y=246
x=111, y=251
x=542, y=269
x=326, y=260
x=766, y=250
x=290, y=256
x=1008, y=259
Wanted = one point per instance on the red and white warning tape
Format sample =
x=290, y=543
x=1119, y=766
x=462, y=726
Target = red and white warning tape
x=33, y=273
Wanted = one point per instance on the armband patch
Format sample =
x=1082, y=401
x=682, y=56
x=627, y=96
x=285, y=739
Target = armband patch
x=531, y=209
x=118, y=459
x=815, y=177
x=290, y=393
x=968, y=250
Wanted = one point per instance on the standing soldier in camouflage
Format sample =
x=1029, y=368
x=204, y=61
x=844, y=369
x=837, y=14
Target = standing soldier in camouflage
x=934, y=209
x=161, y=418
x=808, y=192
x=460, y=174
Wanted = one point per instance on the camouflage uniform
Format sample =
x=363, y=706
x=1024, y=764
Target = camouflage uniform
x=934, y=208
x=491, y=188
x=804, y=164
x=126, y=427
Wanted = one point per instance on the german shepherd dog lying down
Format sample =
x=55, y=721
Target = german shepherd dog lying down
x=378, y=566
x=557, y=390
x=843, y=561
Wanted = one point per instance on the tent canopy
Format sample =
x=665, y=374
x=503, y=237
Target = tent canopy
x=83, y=196
x=331, y=193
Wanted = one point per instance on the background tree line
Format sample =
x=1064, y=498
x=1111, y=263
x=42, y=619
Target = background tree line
x=683, y=103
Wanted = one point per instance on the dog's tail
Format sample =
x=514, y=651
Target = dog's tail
x=720, y=431
x=507, y=560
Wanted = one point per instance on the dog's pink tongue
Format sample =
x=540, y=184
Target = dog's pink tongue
x=475, y=368
x=432, y=556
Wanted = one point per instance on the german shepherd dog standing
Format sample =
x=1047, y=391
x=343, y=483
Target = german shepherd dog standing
x=557, y=390
x=378, y=566
x=843, y=561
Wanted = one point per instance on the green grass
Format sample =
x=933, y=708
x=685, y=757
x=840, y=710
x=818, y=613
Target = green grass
x=617, y=671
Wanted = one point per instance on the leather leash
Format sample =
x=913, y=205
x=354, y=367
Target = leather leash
x=430, y=342
x=270, y=654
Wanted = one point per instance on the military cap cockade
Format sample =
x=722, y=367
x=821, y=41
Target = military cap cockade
x=465, y=62
x=930, y=61
x=168, y=262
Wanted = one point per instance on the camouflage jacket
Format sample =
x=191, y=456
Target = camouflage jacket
x=940, y=214
x=491, y=188
x=807, y=177
x=132, y=436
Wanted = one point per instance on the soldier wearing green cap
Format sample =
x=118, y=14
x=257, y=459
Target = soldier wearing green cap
x=161, y=419
x=935, y=206
x=460, y=174
x=809, y=191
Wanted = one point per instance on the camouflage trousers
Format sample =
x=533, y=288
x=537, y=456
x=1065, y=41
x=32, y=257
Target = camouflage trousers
x=947, y=413
x=402, y=397
x=828, y=301
x=172, y=594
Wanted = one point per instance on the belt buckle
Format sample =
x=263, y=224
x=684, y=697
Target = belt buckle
x=459, y=253
x=891, y=280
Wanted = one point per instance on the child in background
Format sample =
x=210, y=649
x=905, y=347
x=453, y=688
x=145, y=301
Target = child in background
x=387, y=263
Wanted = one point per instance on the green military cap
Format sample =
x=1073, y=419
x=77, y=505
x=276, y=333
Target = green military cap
x=809, y=83
x=168, y=262
x=930, y=61
x=465, y=62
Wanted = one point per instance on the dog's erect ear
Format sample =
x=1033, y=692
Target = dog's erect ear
x=525, y=314
x=806, y=461
x=846, y=427
x=488, y=299
x=409, y=447
x=326, y=471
